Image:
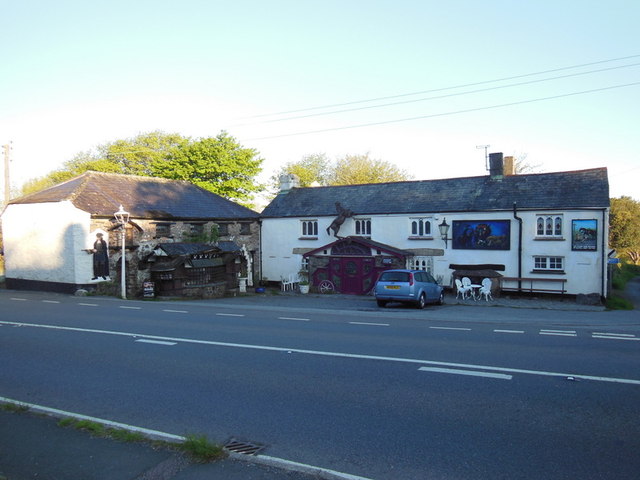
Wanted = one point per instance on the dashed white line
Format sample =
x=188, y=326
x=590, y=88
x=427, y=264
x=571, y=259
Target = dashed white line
x=130, y=308
x=295, y=319
x=474, y=373
x=88, y=304
x=229, y=315
x=615, y=336
x=175, y=311
x=19, y=299
x=370, y=323
x=451, y=328
x=509, y=331
x=50, y=301
x=559, y=333
x=155, y=342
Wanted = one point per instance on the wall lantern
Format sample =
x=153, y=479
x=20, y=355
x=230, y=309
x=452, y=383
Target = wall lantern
x=444, y=231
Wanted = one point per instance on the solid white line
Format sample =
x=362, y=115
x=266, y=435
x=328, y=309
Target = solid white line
x=62, y=413
x=509, y=331
x=370, y=323
x=156, y=342
x=158, y=435
x=229, y=315
x=294, y=318
x=175, y=311
x=473, y=373
x=329, y=354
x=50, y=301
x=88, y=304
x=451, y=328
x=130, y=308
x=614, y=338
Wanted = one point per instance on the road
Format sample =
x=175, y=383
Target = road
x=397, y=394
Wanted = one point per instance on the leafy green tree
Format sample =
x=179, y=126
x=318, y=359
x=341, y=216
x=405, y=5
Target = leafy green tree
x=312, y=169
x=358, y=169
x=220, y=165
x=624, y=227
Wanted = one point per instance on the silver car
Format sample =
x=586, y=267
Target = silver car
x=408, y=286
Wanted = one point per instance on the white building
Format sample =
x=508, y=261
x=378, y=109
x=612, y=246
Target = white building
x=535, y=232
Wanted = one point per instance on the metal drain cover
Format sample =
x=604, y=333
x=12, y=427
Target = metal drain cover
x=246, y=448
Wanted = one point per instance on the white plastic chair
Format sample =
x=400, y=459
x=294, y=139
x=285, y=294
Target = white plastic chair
x=466, y=283
x=461, y=289
x=486, y=289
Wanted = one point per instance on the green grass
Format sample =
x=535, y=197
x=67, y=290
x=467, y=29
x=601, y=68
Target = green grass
x=11, y=407
x=200, y=449
x=618, y=303
x=624, y=273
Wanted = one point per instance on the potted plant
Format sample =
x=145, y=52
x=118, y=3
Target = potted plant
x=304, y=285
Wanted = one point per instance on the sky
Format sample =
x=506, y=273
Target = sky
x=424, y=85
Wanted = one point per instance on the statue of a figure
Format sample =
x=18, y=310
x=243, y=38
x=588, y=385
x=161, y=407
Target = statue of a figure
x=343, y=214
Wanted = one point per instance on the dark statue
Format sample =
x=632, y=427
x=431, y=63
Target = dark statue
x=343, y=214
x=100, y=258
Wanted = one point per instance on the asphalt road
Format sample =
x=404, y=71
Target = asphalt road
x=395, y=394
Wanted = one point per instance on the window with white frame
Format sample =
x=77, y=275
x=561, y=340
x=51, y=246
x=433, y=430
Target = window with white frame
x=420, y=227
x=363, y=226
x=549, y=226
x=421, y=263
x=555, y=264
x=309, y=228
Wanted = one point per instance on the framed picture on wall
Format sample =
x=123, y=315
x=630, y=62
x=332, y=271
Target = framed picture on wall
x=481, y=234
x=584, y=235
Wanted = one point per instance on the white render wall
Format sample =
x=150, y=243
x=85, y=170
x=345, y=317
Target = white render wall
x=584, y=271
x=45, y=242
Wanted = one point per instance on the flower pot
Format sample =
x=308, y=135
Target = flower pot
x=304, y=288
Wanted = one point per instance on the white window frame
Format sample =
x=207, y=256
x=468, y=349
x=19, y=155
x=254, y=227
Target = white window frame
x=362, y=227
x=309, y=228
x=423, y=263
x=422, y=227
x=549, y=226
x=548, y=263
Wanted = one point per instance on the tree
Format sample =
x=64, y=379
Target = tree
x=522, y=166
x=220, y=165
x=624, y=227
x=349, y=170
x=358, y=169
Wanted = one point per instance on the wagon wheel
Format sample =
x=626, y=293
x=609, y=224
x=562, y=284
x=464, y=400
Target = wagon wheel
x=326, y=286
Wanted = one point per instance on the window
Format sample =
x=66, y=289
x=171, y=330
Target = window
x=420, y=227
x=223, y=229
x=309, y=228
x=549, y=226
x=245, y=229
x=363, y=226
x=163, y=230
x=548, y=263
x=197, y=229
x=420, y=263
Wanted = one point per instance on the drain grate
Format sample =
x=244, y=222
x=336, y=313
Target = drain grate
x=246, y=448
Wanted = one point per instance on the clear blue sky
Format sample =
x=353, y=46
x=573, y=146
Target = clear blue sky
x=76, y=74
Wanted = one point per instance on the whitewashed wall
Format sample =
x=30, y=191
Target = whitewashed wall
x=584, y=271
x=45, y=242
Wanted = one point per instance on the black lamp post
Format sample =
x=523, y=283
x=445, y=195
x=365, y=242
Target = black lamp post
x=444, y=231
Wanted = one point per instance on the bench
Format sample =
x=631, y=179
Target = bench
x=531, y=288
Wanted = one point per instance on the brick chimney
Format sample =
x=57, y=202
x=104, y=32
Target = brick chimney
x=496, y=165
x=509, y=166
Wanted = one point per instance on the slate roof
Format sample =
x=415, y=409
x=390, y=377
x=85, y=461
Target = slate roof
x=100, y=194
x=559, y=190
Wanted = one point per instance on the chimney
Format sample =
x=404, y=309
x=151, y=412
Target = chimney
x=288, y=181
x=496, y=165
x=509, y=166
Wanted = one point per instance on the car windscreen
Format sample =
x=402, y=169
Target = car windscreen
x=394, y=277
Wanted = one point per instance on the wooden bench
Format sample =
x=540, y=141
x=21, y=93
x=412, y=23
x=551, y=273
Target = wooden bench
x=531, y=288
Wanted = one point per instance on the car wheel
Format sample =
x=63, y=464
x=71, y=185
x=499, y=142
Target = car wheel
x=381, y=303
x=441, y=299
x=422, y=301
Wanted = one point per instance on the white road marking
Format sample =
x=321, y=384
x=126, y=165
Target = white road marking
x=19, y=299
x=473, y=373
x=559, y=333
x=322, y=353
x=156, y=342
x=370, y=323
x=229, y=315
x=175, y=311
x=88, y=304
x=50, y=301
x=615, y=337
x=294, y=318
x=509, y=331
x=451, y=328
x=614, y=334
x=130, y=308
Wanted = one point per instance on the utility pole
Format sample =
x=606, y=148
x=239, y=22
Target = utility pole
x=7, y=183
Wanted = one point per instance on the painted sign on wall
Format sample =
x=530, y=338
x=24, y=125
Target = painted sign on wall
x=481, y=234
x=584, y=235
